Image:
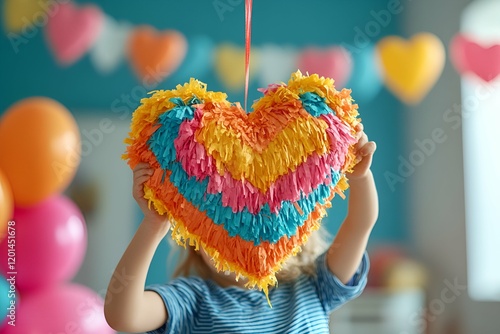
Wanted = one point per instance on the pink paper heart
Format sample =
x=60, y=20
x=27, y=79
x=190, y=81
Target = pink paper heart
x=334, y=63
x=470, y=57
x=72, y=31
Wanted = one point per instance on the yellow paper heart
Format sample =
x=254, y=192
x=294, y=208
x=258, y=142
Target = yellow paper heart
x=19, y=14
x=230, y=65
x=411, y=67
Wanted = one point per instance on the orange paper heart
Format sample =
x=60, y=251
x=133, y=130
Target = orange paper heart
x=411, y=67
x=155, y=55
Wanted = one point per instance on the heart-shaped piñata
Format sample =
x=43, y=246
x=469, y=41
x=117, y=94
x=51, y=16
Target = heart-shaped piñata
x=248, y=188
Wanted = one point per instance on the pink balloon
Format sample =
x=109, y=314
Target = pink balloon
x=71, y=31
x=64, y=309
x=50, y=243
x=470, y=57
x=335, y=63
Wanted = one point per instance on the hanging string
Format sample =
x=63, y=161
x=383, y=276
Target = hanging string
x=248, y=38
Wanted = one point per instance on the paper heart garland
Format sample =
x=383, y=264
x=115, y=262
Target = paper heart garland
x=155, y=55
x=365, y=77
x=109, y=48
x=230, y=65
x=19, y=14
x=71, y=31
x=276, y=63
x=411, y=68
x=198, y=60
x=334, y=62
x=470, y=57
x=248, y=188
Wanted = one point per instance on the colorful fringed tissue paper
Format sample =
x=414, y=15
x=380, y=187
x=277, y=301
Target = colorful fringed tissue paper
x=248, y=188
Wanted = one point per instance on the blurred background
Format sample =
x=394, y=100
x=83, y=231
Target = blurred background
x=425, y=76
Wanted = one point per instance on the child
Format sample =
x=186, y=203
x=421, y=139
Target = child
x=310, y=286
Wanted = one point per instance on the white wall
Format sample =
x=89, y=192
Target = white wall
x=112, y=224
x=437, y=211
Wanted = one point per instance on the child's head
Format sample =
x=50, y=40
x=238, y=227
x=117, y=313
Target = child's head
x=201, y=264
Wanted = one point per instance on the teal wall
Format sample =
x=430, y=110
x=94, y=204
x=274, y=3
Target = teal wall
x=33, y=71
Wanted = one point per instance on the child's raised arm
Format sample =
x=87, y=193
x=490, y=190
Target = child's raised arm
x=346, y=252
x=128, y=307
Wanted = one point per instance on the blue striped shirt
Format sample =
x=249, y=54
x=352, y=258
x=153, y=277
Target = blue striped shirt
x=201, y=306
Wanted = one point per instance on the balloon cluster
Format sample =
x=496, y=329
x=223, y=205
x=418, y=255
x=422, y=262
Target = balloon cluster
x=43, y=235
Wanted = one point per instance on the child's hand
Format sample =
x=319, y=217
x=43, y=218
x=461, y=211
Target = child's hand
x=142, y=173
x=364, y=154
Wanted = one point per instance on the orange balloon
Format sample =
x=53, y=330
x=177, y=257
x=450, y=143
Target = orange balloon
x=6, y=204
x=39, y=149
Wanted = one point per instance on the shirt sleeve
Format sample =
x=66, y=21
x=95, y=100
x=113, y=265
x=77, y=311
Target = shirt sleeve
x=332, y=292
x=180, y=298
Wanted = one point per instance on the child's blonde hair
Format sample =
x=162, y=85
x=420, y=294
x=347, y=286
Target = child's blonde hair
x=191, y=261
